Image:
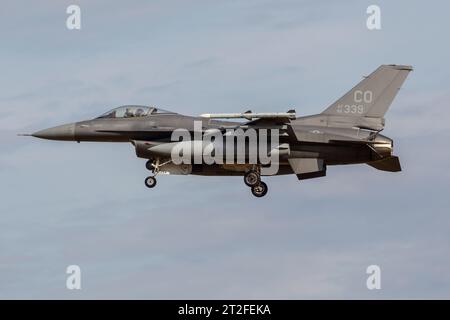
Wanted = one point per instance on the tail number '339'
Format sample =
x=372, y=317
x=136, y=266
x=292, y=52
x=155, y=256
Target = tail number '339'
x=354, y=108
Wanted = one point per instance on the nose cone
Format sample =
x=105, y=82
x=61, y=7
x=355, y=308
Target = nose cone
x=65, y=132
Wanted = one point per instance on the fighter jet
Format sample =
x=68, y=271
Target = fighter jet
x=347, y=132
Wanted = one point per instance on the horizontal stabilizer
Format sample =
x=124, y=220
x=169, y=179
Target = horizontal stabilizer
x=391, y=164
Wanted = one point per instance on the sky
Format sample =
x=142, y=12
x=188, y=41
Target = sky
x=64, y=203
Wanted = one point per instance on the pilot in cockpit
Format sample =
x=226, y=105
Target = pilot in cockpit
x=139, y=112
x=128, y=113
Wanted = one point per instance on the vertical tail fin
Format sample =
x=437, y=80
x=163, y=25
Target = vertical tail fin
x=371, y=97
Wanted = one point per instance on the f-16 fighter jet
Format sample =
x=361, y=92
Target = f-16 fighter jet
x=254, y=144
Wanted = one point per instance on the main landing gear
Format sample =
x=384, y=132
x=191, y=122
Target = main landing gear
x=252, y=179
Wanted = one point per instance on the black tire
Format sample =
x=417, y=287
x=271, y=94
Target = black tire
x=251, y=178
x=150, y=182
x=260, y=190
x=149, y=165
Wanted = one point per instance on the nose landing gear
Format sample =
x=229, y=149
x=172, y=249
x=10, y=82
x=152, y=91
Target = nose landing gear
x=153, y=166
x=150, y=182
x=150, y=165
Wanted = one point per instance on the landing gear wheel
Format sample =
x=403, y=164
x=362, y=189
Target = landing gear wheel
x=259, y=190
x=150, y=182
x=149, y=165
x=252, y=178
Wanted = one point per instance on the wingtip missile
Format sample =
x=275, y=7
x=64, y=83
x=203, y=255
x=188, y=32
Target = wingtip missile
x=249, y=116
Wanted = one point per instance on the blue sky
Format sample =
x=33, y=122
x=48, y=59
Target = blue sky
x=207, y=237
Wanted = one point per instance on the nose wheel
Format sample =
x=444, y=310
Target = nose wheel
x=152, y=165
x=150, y=182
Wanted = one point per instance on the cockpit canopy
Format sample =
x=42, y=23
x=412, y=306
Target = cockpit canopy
x=133, y=111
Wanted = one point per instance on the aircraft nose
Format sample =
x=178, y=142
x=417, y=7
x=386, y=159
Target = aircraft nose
x=64, y=132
